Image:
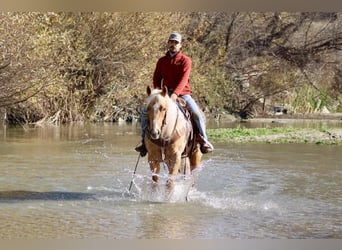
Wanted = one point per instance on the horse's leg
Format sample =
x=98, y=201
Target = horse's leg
x=195, y=161
x=195, y=158
x=155, y=168
x=173, y=161
x=184, y=167
x=154, y=160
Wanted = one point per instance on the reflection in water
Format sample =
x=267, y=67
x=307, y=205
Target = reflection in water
x=72, y=182
x=6, y=196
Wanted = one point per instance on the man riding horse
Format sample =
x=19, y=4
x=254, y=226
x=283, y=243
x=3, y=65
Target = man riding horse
x=173, y=71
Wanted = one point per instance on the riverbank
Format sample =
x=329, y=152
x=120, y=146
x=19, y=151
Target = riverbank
x=328, y=132
x=285, y=118
x=327, y=136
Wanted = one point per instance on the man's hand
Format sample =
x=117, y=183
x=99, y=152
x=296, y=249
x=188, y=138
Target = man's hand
x=174, y=97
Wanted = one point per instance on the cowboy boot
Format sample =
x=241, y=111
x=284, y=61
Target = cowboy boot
x=205, y=146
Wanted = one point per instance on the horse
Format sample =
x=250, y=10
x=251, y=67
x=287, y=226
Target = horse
x=169, y=136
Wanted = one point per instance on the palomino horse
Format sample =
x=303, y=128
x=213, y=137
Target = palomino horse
x=169, y=137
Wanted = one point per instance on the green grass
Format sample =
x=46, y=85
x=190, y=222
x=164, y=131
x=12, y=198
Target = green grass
x=230, y=133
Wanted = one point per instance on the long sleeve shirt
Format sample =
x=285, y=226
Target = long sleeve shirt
x=174, y=73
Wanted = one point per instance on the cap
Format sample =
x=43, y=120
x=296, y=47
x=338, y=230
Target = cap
x=175, y=36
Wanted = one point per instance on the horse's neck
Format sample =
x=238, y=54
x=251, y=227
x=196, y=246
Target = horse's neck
x=170, y=120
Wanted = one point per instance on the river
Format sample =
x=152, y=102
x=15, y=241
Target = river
x=71, y=182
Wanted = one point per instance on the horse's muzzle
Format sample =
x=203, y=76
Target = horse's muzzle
x=155, y=133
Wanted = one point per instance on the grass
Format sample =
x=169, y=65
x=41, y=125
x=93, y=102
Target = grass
x=229, y=133
x=273, y=135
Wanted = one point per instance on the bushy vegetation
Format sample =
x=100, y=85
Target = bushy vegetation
x=64, y=67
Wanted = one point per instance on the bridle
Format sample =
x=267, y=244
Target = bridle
x=173, y=137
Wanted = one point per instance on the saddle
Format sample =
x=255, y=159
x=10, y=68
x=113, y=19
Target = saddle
x=194, y=136
x=183, y=107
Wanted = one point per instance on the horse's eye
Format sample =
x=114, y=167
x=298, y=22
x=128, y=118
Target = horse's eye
x=162, y=109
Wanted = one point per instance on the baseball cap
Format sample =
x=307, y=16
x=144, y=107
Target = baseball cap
x=175, y=36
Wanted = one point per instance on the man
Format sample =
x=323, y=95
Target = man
x=173, y=71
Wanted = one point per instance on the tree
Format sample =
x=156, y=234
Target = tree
x=21, y=76
x=266, y=55
x=64, y=67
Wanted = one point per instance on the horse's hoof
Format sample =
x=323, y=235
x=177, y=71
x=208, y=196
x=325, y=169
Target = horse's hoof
x=155, y=179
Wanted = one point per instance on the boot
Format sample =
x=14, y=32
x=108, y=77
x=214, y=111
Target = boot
x=141, y=149
x=205, y=146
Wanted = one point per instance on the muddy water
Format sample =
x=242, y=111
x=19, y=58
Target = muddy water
x=72, y=182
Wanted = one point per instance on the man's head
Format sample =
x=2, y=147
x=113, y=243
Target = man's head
x=175, y=42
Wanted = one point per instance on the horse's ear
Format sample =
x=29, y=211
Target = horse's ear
x=148, y=90
x=164, y=91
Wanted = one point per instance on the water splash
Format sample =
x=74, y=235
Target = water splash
x=226, y=201
x=145, y=190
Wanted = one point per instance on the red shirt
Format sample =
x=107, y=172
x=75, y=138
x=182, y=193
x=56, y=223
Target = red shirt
x=174, y=73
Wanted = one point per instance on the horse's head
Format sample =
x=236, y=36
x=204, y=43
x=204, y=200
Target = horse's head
x=157, y=105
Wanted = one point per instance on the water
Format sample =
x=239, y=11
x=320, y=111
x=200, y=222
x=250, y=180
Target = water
x=72, y=182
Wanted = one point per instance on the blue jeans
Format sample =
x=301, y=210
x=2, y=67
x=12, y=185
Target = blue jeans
x=196, y=115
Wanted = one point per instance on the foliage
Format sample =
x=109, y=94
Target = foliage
x=269, y=55
x=63, y=67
